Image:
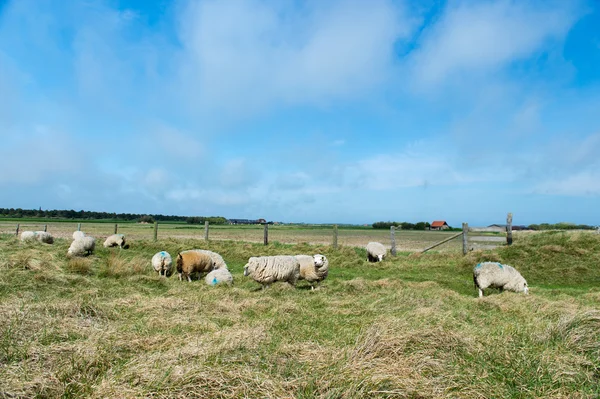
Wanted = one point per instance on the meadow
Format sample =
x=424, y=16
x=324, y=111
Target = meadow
x=106, y=326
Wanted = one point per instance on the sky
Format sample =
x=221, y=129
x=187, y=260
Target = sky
x=315, y=111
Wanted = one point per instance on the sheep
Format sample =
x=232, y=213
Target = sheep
x=82, y=247
x=192, y=261
x=313, y=269
x=78, y=234
x=268, y=269
x=163, y=263
x=116, y=240
x=219, y=276
x=375, y=252
x=41, y=236
x=218, y=262
x=494, y=274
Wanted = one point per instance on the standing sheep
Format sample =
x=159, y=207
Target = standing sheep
x=375, y=252
x=82, y=247
x=41, y=236
x=313, y=269
x=268, y=269
x=115, y=240
x=218, y=262
x=191, y=261
x=497, y=275
x=163, y=263
x=219, y=276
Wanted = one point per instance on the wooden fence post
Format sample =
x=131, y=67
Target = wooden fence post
x=78, y=226
x=509, y=238
x=393, y=239
x=465, y=227
x=17, y=233
x=266, y=235
x=116, y=228
x=155, y=231
x=45, y=227
x=206, y=230
x=335, y=236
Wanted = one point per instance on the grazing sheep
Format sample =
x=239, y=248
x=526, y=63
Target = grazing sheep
x=191, y=261
x=375, y=252
x=41, y=236
x=218, y=262
x=219, y=276
x=313, y=269
x=163, y=263
x=494, y=274
x=78, y=234
x=82, y=247
x=268, y=269
x=116, y=240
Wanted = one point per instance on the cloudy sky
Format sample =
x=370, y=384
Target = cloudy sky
x=347, y=111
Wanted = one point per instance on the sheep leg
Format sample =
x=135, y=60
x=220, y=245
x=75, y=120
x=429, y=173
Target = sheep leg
x=189, y=278
x=180, y=277
x=480, y=293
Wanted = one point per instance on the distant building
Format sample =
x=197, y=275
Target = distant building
x=247, y=221
x=439, y=225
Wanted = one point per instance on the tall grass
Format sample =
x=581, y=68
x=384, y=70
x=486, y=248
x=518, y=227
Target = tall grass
x=409, y=327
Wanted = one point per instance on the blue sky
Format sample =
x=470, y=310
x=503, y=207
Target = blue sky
x=342, y=111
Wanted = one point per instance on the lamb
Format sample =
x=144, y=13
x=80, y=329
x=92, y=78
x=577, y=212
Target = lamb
x=192, y=261
x=268, y=269
x=41, y=236
x=116, y=240
x=218, y=262
x=313, y=269
x=163, y=263
x=82, y=247
x=78, y=234
x=219, y=276
x=494, y=274
x=375, y=252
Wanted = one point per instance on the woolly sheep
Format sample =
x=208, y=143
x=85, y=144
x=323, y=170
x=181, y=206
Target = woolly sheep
x=218, y=262
x=313, y=269
x=494, y=274
x=219, y=276
x=41, y=236
x=82, y=247
x=115, y=240
x=375, y=252
x=268, y=269
x=163, y=263
x=192, y=261
x=78, y=234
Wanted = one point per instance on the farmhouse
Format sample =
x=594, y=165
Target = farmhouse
x=439, y=225
x=246, y=221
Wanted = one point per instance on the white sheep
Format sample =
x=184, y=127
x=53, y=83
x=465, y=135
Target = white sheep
x=162, y=262
x=269, y=269
x=40, y=236
x=115, y=240
x=78, y=234
x=375, y=252
x=82, y=247
x=497, y=275
x=313, y=269
x=219, y=276
x=218, y=261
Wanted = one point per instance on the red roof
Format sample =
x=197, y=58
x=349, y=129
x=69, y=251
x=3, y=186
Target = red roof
x=438, y=223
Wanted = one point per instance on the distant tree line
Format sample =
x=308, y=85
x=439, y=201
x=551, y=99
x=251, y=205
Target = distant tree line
x=91, y=215
x=560, y=226
x=402, y=225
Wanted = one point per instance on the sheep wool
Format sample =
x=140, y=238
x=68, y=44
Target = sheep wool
x=497, y=275
x=162, y=262
x=269, y=269
x=375, y=252
x=82, y=247
x=115, y=240
x=313, y=269
x=40, y=236
x=189, y=262
x=28, y=236
x=219, y=276
x=218, y=261
x=78, y=234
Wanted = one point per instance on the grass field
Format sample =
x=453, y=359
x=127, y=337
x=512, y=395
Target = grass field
x=285, y=234
x=410, y=327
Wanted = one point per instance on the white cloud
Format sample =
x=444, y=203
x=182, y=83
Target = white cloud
x=585, y=183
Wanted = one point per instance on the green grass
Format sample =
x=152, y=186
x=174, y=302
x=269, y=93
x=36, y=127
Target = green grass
x=409, y=327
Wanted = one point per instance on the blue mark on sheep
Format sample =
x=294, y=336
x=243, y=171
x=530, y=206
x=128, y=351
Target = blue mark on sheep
x=500, y=265
x=478, y=266
x=162, y=253
x=214, y=281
